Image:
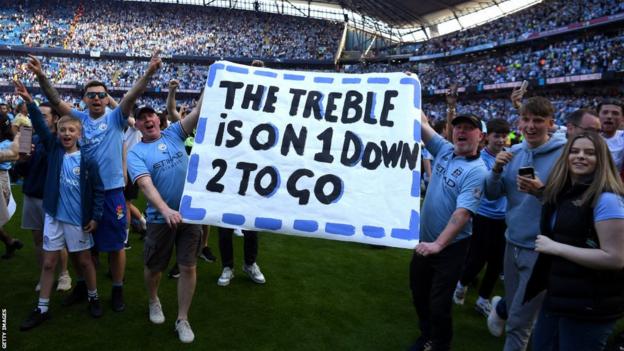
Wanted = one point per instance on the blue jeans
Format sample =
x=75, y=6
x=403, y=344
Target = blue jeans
x=554, y=333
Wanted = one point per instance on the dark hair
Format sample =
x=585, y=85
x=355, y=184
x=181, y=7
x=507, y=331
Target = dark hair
x=576, y=116
x=611, y=101
x=94, y=83
x=257, y=63
x=439, y=126
x=498, y=125
x=6, y=132
x=538, y=106
x=53, y=111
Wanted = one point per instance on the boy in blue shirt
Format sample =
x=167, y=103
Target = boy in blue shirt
x=102, y=141
x=72, y=202
x=158, y=165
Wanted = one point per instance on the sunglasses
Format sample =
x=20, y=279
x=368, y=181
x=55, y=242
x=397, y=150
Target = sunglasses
x=92, y=95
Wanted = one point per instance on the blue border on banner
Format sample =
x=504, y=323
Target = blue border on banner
x=305, y=225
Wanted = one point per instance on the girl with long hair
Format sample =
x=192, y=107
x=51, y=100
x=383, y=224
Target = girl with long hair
x=581, y=261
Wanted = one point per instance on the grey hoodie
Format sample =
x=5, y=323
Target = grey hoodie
x=523, y=210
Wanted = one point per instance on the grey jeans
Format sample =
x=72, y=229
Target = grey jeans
x=518, y=267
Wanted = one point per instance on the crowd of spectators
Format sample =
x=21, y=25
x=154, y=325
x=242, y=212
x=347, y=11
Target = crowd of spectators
x=114, y=73
x=136, y=29
x=489, y=108
x=591, y=53
x=547, y=15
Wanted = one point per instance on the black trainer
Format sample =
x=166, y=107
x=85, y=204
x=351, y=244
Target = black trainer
x=77, y=295
x=34, y=319
x=206, y=255
x=117, y=299
x=10, y=249
x=95, y=309
x=174, y=273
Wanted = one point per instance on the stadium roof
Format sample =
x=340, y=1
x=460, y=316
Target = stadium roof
x=398, y=20
x=410, y=13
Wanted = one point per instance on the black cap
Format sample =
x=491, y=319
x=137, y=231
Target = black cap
x=144, y=108
x=472, y=119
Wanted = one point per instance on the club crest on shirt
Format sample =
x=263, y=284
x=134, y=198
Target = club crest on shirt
x=119, y=211
x=76, y=170
x=103, y=126
x=162, y=147
x=477, y=193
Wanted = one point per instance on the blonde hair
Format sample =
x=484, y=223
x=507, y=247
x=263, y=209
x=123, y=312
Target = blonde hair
x=605, y=177
x=68, y=119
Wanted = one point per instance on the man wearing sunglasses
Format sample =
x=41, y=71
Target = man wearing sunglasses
x=102, y=140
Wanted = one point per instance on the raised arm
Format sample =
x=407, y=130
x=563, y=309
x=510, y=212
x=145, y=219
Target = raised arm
x=139, y=87
x=451, y=110
x=36, y=117
x=34, y=65
x=427, y=133
x=172, y=111
x=190, y=121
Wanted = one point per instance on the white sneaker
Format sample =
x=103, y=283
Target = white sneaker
x=64, y=282
x=495, y=323
x=459, y=296
x=483, y=306
x=156, y=315
x=253, y=271
x=226, y=276
x=38, y=287
x=185, y=333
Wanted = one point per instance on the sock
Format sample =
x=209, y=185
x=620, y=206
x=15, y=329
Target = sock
x=143, y=223
x=127, y=234
x=93, y=295
x=481, y=300
x=42, y=305
x=459, y=285
x=117, y=285
x=64, y=274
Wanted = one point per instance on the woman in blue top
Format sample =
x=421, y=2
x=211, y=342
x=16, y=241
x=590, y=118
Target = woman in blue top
x=581, y=261
x=8, y=153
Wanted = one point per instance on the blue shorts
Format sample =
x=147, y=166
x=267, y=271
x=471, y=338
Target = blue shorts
x=111, y=231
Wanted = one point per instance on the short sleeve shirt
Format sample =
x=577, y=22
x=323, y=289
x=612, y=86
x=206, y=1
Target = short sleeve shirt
x=68, y=209
x=456, y=182
x=165, y=161
x=102, y=141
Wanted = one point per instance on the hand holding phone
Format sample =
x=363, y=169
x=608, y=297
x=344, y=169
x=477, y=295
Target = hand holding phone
x=528, y=172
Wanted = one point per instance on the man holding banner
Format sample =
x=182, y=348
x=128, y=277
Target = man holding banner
x=158, y=165
x=452, y=199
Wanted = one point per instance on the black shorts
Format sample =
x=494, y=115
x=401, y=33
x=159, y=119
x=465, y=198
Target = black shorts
x=131, y=190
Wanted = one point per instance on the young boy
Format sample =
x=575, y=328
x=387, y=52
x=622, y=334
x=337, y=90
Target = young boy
x=72, y=202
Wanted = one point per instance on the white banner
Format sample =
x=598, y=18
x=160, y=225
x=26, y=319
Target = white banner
x=324, y=155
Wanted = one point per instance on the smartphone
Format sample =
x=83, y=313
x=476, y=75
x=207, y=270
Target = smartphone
x=524, y=86
x=527, y=172
x=25, y=140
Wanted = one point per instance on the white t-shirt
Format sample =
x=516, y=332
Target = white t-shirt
x=616, y=147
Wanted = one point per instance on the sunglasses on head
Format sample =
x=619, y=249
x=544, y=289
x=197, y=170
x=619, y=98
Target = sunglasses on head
x=92, y=95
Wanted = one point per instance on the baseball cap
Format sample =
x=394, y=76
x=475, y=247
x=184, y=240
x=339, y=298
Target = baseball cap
x=471, y=119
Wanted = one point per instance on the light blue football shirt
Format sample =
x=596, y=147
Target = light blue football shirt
x=102, y=141
x=69, y=209
x=5, y=145
x=165, y=161
x=494, y=209
x=456, y=182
